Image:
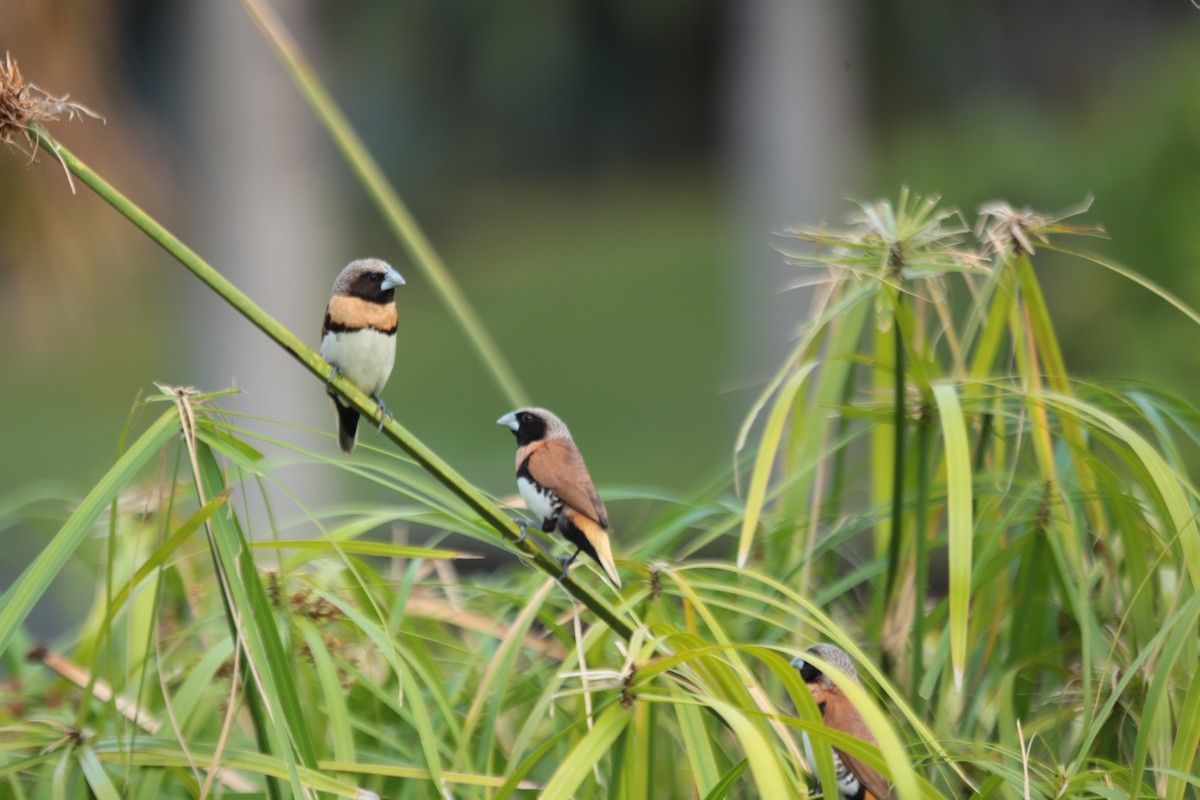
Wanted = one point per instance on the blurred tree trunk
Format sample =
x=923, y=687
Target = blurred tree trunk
x=264, y=211
x=794, y=133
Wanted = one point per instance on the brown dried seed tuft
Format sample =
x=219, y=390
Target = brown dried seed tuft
x=24, y=106
x=305, y=601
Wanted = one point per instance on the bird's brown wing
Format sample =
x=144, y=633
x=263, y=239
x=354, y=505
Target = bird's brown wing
x=558, y=466
x=841, y=716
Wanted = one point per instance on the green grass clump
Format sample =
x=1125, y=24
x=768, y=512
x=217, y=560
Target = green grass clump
x=1021, y=600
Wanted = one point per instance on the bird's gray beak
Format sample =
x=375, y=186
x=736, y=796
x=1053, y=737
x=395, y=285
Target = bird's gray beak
x=391, y=279
x=509, y=421
x=798, y=663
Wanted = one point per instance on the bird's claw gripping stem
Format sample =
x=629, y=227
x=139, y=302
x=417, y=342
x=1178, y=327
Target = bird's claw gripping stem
x=566, y=561
x=384, y=413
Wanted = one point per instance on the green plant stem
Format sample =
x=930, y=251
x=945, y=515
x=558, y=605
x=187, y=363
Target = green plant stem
x=419, y=452
x=924, y=448
x=900, y=418
x=397, y=215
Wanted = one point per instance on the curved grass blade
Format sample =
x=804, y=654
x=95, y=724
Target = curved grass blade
x=958, y=520
x=495, y=678
x=698, y=748
x=168, y=547
x=1187, y=740
x=19, y=600
x=769, y=776
x=362, y=548
x=1170, y=485
x=576, y=767
x=728, y=781
x=764, y=462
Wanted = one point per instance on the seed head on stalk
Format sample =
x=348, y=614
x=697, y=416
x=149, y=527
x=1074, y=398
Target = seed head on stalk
x=24, y=106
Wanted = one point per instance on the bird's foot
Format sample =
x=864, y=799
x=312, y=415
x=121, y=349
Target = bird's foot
x=384, y=413
x=566, y=561
x=524, y=526
x=333, y=373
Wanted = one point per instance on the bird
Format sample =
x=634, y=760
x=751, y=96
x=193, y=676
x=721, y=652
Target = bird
x=856, y=781
x=556, y=487
x=358, y=337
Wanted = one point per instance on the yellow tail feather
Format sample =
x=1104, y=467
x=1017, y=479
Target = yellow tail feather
x=598, y=538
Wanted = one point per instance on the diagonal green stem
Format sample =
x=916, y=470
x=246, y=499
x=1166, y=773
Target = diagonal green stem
x=395, y=212
x=425, y=457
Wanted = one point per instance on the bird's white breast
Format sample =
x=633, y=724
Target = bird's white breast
x=539, y=501
x=365, y=357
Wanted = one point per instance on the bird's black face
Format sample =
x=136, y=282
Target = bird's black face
x=530, y=428
x=809, y=672
x=369, y=285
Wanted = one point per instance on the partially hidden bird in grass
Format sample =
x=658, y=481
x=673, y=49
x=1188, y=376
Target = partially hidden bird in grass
x=358, y=336
x=856, y=781
x=556, y=486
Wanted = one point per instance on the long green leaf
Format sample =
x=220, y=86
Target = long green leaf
x=586, y=754
x=958, y=520
x=698, y=748
x=93, y=772
x=1170, y=485
x=764, y=462
x=769, y=777
x=19, y=600
x=1187, y=740
x=253, y=624
x=168, y=547
x=361, y=548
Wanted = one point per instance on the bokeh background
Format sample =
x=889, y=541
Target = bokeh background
x=606, y=178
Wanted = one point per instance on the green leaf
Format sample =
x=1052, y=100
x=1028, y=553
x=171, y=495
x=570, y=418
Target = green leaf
x=697, y=746
x=721, y=790
x=1187, y=739
x=252, y=622
x=19, y=600
x=362, y=548
x=337, y=723
x=93, y=772
x=165, y=550
x=586, y=754
x=764, y=462
x=769, y=776
x=958, y=520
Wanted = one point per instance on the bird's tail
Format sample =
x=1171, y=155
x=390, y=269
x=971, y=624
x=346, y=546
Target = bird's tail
x=597, y=537
x=347, y=426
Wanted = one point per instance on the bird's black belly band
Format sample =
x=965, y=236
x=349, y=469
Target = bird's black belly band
x=576, y=537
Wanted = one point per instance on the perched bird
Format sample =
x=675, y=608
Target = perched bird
x=557, y=488
x=855, y=779
x=359, y=336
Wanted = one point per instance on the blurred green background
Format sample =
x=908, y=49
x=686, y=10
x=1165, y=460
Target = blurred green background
x=606, y=179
